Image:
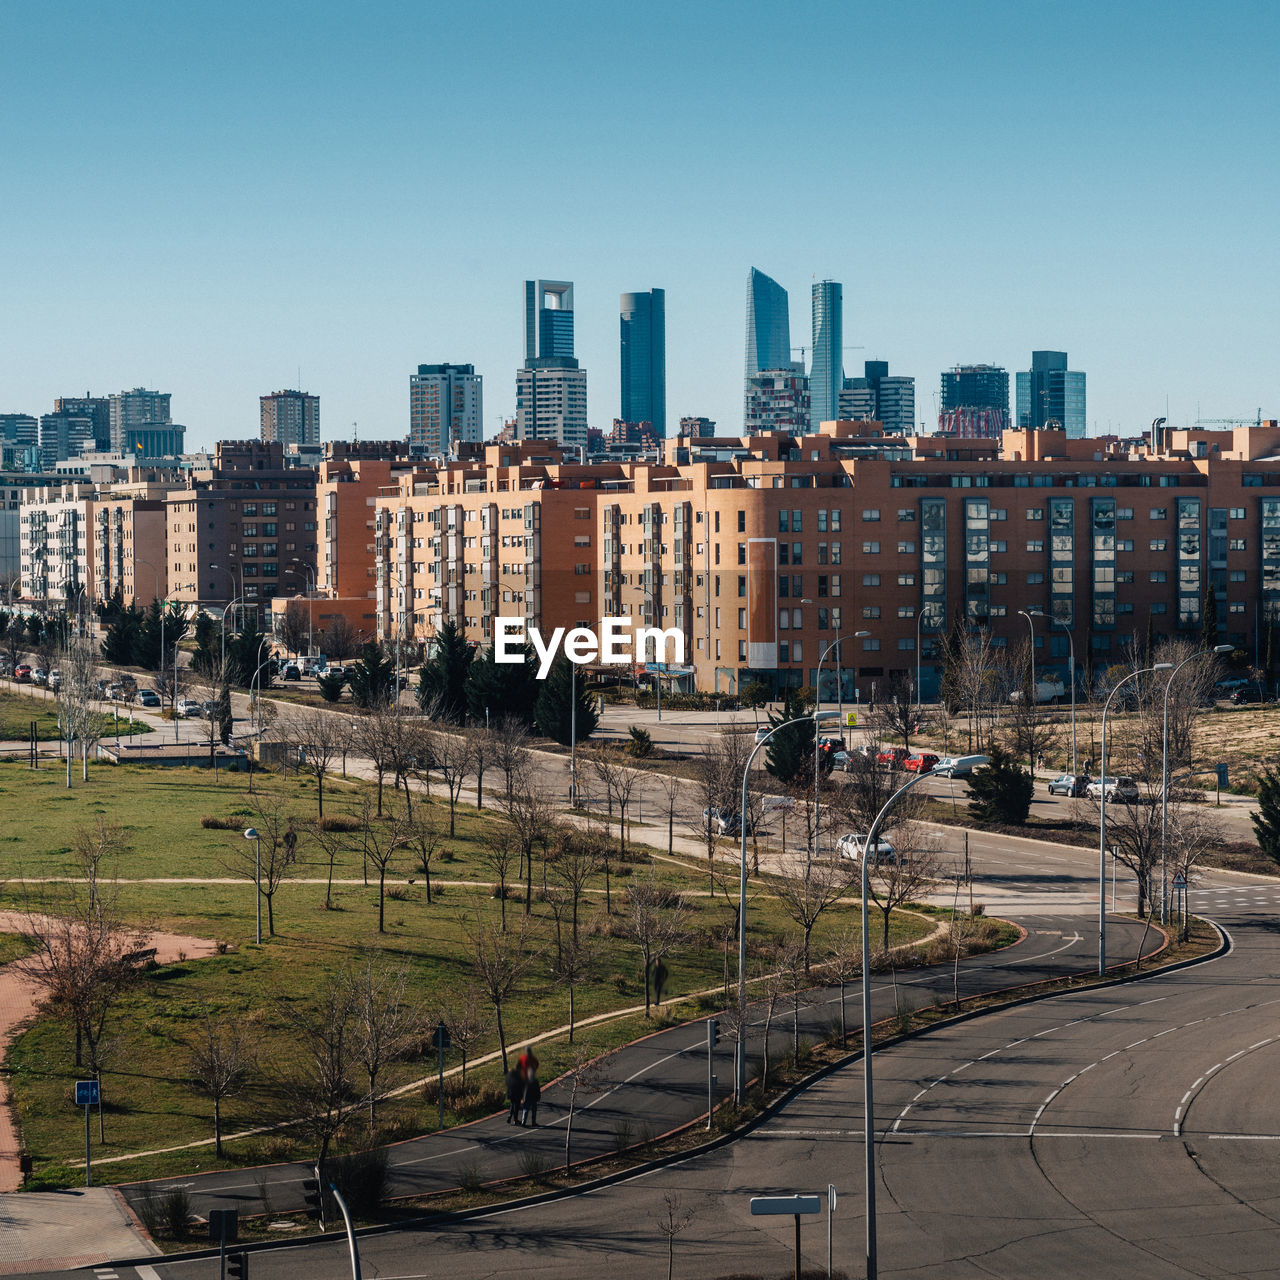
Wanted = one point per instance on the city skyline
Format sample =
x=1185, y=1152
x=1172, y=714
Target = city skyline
x=1161, y=300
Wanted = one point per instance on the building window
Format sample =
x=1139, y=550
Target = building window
x=784, y=651
x=906, y=513
x=742, y=522
x=999, y=544
x=906, y=548
x=870, y=548
x=795, y=522
x=1035, y=513
x=1034, y=579
x=824, y=619
x=1035, y=544
x=1124, y=513
x=1159, y=544
x=1159, y=513
x=1160, y=607
x=742, y=587
x=822, y=520
x=1236, y=606
x=906, y=644
x=797, y=553
x=822, y=553
x=1237, y=575
x=870, y=611
x=835, y=553
x=906, y=611
x=1124, y=544
x=871, y=644
x=784, y=521
x=1237, y=513
x=906, y=579
x=871, y=515
x=742, y=553
x=1236, y=544
x=1158, y=575
x=870, y=579
x=822, y=585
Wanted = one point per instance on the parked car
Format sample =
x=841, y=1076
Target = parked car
x=1124, y=790
x=22, y=673
x=209, y=710
x=852, y=845
x=291, y=671
x=1051, y=690
x=724, y=821
x=1246, y=693
x=763, y=732
x=921, y=763
x=1069, y=784
x=148, y=698
x=960, y=766
x=1232, y=682
x=188, y=707
x=55, y=680
x=39, y=676
x=894, y=757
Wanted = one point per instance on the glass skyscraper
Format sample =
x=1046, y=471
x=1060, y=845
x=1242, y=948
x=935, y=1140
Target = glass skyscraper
x=551, y=390
x=1050, y=392
x=768, y=328
x=643, y=348
x=826, y=374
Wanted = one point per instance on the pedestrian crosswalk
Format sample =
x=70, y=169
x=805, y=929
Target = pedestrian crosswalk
x=1206, y=897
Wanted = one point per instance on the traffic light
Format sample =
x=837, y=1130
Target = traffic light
x=312, y=1198
x=238, y=1265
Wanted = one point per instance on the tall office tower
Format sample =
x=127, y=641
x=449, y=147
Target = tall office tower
x=826, y=373
x=778, y=400
x=643, y=344
x=1050, y=392
x=975, y=401
x=446, y=404
x=768, y=328
x=876, y=397
x=289, y=417
x=137, y=410
x=19, y=429
x=551, y=390
x=62, y=436
x=96, y=408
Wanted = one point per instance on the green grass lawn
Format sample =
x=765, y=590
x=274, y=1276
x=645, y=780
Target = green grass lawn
x=150, y=1099
x=17, y=711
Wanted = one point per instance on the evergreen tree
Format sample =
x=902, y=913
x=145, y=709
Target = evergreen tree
x=1266, y=822
x=330, y=686
x=951, y=648
x=246, y=652
x=789, y=754
x=146, y=646
x=208, y=645
x=442, y=681
x=1209, y=620
x=121, y=640
x=553, y=711
x=1001, y=792
x=502, y=688
x=226, y=722
x=372, y=678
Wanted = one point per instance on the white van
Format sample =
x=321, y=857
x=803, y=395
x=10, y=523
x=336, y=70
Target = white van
x=960, y=766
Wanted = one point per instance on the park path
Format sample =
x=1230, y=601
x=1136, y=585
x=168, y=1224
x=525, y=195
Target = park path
x=19, y=1002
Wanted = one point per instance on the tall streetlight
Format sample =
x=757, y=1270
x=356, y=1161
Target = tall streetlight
x=1102, y=816
x=740, y=1065
x=395, y=577
x=252, y=834
x=307, y=569
x=868, y=1103
x=919, y=695
x=1071, y=669
x=835, y=644
x=1031, y=746
x=1164, y=777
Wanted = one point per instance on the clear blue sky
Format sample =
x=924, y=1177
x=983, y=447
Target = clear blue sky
x=207, y=199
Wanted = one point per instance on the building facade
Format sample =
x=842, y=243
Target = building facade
x=826, y=372
x=551, y=389
x=778, y=400
x=768, y=328
x=642, y=325
x=135, y=411
x=1051, y=394
x=876, y=397
x=96, y=408
x=289, y=418
x=975, y=401
x=763, y=553
x=446, y=404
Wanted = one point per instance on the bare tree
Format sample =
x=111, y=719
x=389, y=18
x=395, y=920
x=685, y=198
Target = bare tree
x=501, y=854
x=717, y=784
x=80, y=720
x=618, y=781
x=806, y=890
x=219, y=1063
x=585, y=1076
x=385, y=839
x=385, y=1022
x=844, y=960
x=654, y=922
x=95, y=850
x=510, y=751
x=341, y=639
x=669, y=788
x=372, y=736
x=500, y=961
x=673, y=1221
x=576, y=856
x=423, y=838
x=468, y=1024
x=294, y=627
x=895, y=716
x=278, y=840
x=574, y=963
x=531, y=812
x=454, y=759
x=320, y=737
x=905, y=876
x=482, y=751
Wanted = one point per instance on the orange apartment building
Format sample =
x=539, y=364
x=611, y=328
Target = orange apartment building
x=762, y=551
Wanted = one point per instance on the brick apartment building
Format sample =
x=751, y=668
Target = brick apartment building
x=762, y=550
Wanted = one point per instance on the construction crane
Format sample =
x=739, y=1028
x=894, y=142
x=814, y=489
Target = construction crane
x=802, y=350
x=1255, y=421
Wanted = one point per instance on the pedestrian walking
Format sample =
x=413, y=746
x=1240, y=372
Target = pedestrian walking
x=532, y=1093
x=515, y=1095
x=527, y=1063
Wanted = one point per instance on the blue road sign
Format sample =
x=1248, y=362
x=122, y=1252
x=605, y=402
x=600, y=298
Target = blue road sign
x=86, y=1093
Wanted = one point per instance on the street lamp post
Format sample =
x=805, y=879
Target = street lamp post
x=1071, y=669
x=868, y=1103
x=252, y=834
x=835, y=644
x=310, y=579
x=1164, y=778
x=740, y=1063
x=919, y=696
x=1102, y=816
x=1031, y=746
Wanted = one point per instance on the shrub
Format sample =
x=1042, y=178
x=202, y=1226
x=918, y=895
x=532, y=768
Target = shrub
x=535, y=1164
x=338, y=824
x=470, y=1175
x=220, y=824
x=641, y=744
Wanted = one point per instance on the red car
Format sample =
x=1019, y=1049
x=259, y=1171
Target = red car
x=921, y=763
x=22, y=672
x=892, y=756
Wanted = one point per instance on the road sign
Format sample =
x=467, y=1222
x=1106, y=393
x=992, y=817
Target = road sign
x=1179, y=881
x=441, y=1039
x=785, y=1204
x=851, y=719
x=86, y=1093
x=224, y=1226
x=1222, y=776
